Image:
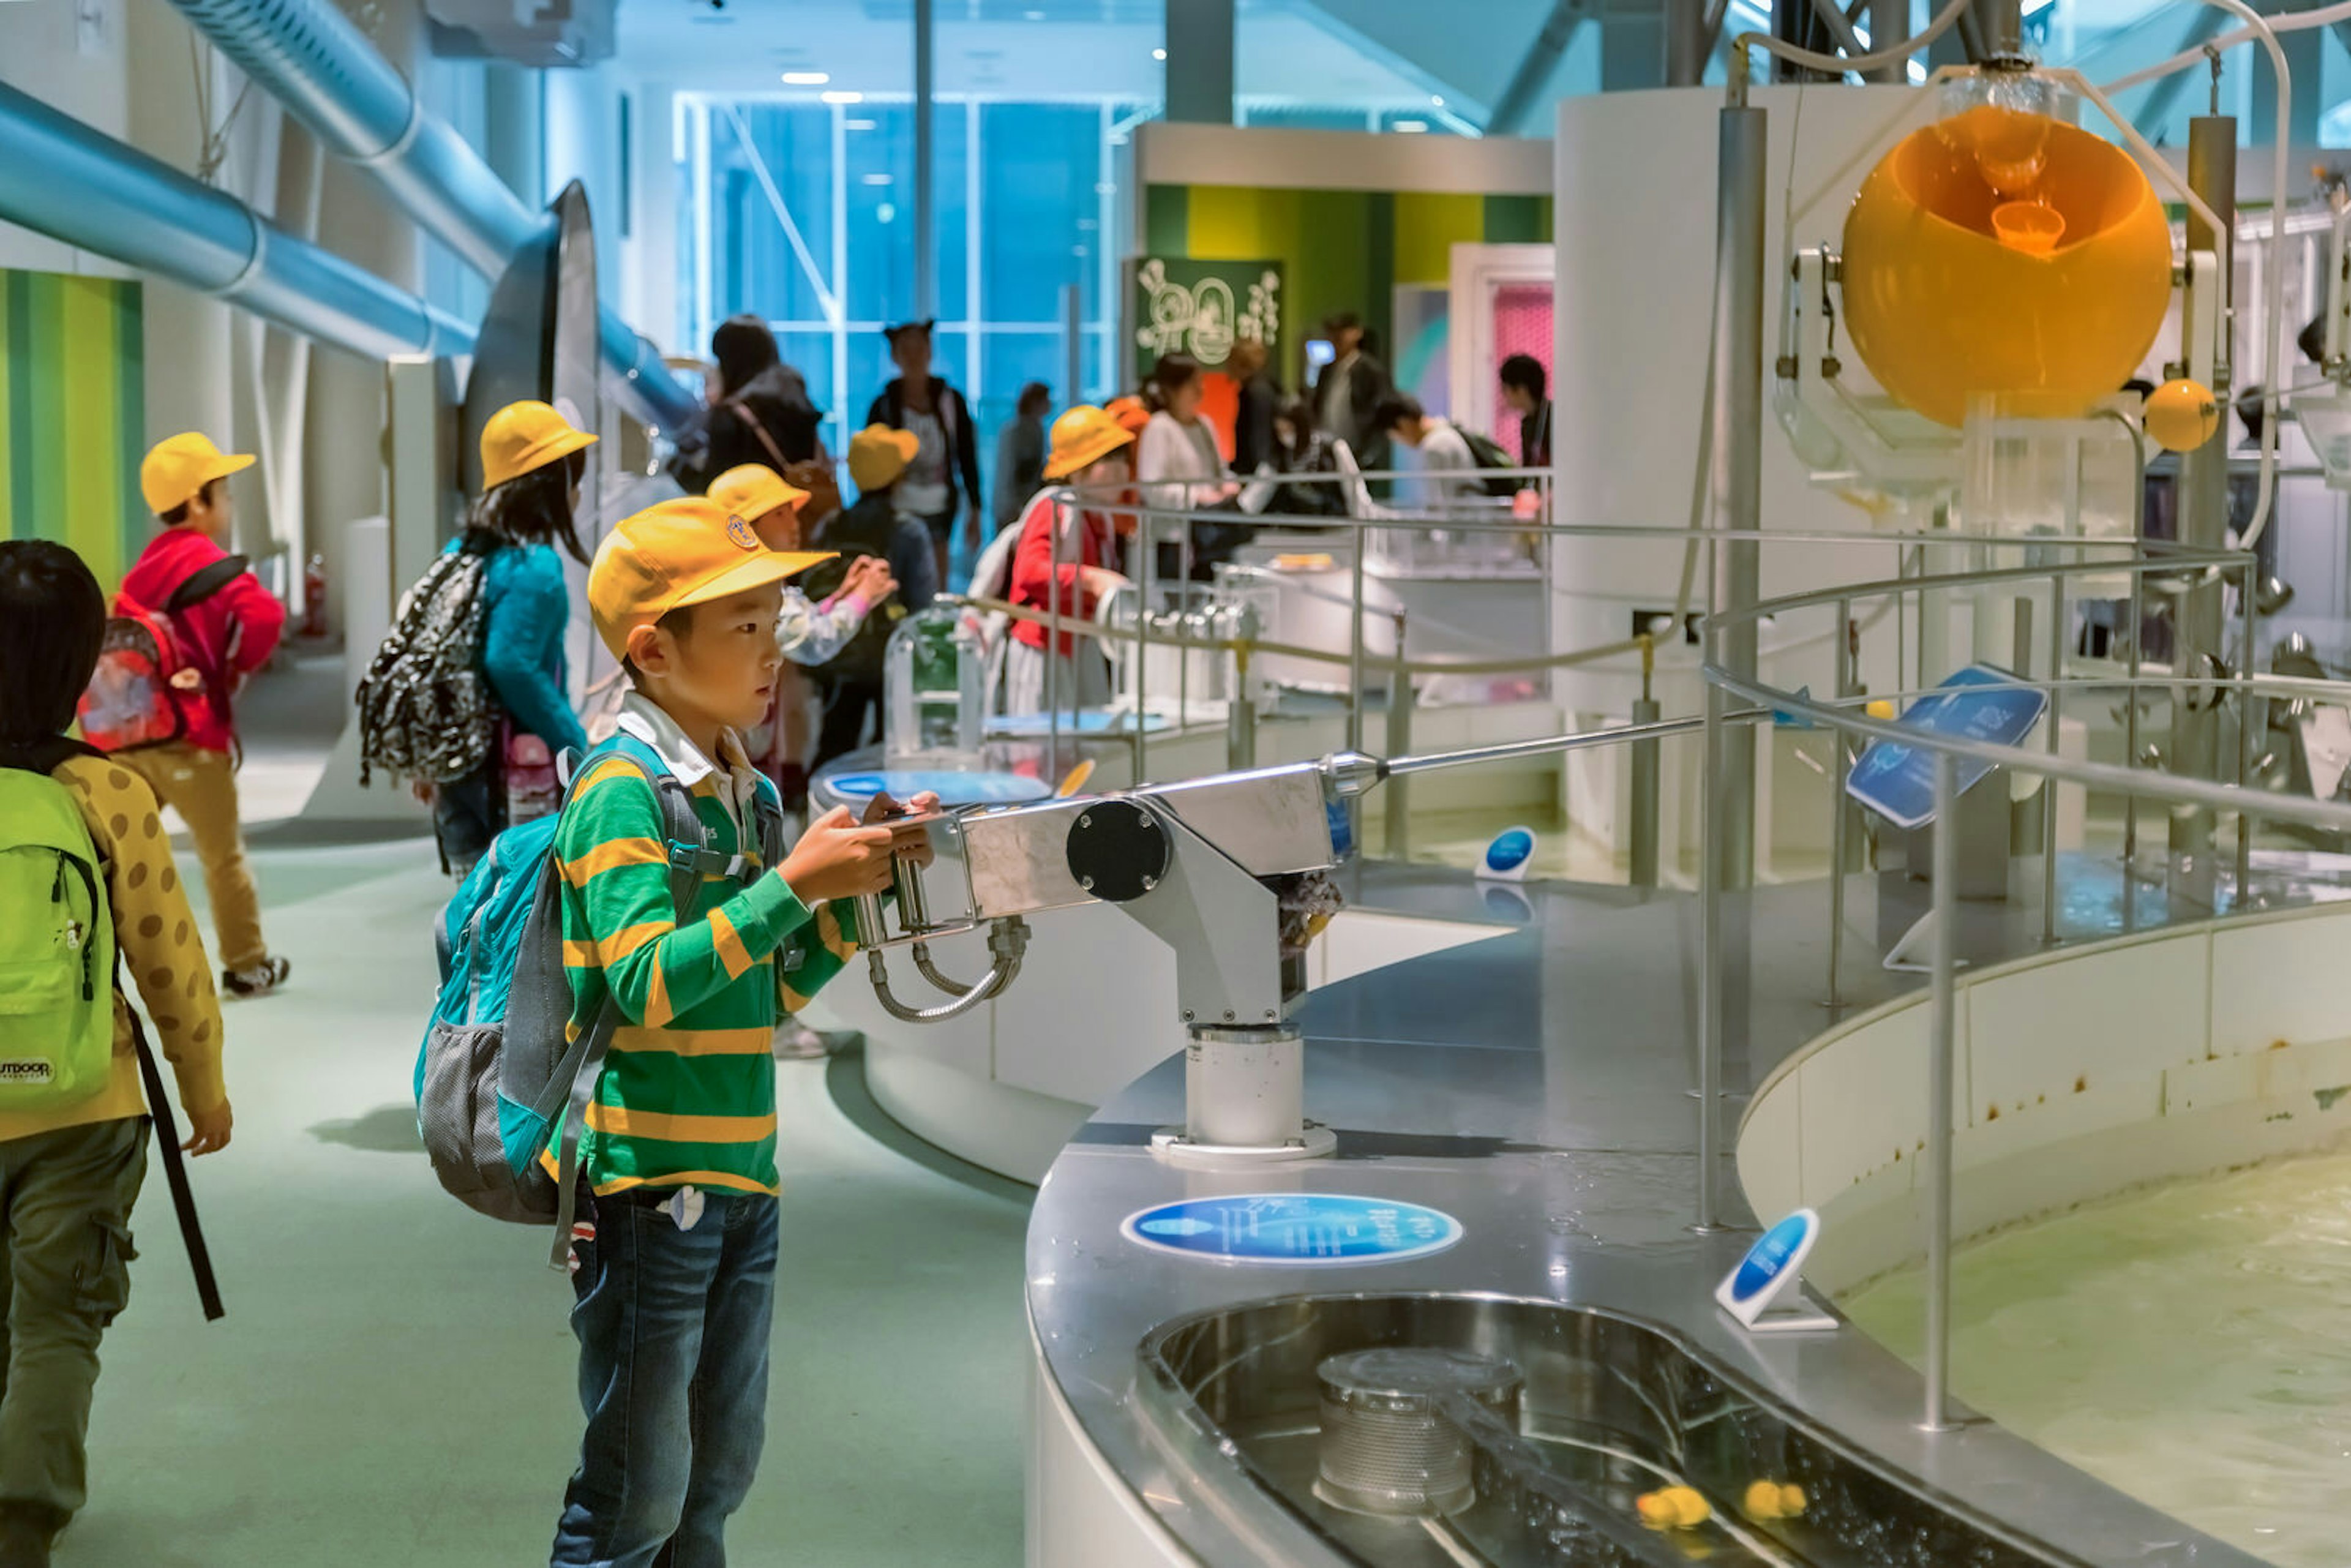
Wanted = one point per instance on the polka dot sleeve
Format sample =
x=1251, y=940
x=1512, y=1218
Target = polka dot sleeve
x=163, y=952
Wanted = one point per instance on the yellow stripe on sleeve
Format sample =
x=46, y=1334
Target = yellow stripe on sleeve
x=695, y=1042
x=629, y=938
x=729, y=943
x=621, y=1121
x=658, y=1011
x=610, y=856
x=828, y=930
x=604, y=772
x=793, y=1001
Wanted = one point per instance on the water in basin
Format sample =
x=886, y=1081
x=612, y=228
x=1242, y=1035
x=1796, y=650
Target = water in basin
x=2190, y=1345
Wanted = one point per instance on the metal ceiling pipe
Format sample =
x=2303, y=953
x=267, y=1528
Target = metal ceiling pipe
x=61, y=178
x=310, y=57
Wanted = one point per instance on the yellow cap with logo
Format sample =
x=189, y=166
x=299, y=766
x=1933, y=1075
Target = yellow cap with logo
x=682, y=552
x=178, y=469
x=751, y=490
x=523, y=436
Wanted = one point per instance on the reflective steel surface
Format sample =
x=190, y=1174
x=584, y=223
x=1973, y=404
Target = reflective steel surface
x=1534, y=1086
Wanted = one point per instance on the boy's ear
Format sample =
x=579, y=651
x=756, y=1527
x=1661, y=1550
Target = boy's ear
x=648, y=649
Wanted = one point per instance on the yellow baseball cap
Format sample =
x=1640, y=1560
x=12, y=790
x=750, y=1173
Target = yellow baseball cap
x=878, y=454
x=1083, y=436
x=751, y=490
x=685, y=550
x=178, y=469
x=525, y=435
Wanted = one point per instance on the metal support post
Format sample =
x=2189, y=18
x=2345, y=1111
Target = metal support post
x=1144, y=595
x=2253, y=716
x=1398, y=743
x=1711, y=964
x=1058, y=602
x=1240, y=719
x=2130, y=738
x=1889, y=24
x=926, y=248
x=1839, y=810
x=1646, y=775
x=2059, y=623
x=1355, y=647
x=2002, y=23
x=1074, y=344
x=1940, y=1057
x=1738, y=451
x=1686, y=43
x=2203, y=525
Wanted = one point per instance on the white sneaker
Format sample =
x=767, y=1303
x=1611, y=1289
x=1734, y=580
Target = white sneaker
x=795, y=1042
x=259, y=981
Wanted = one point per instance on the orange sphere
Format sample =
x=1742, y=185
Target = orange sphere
x=2181, y=415
x=2008, y=256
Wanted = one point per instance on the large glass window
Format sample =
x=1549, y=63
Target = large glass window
x=801, y=212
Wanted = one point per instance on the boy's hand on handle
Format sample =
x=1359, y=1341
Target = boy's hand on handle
x=913, y=839
x=1099, y=581
x=208, y=1131
x=838, y=858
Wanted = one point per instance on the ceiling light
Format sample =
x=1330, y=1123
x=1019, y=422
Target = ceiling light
x=877, y=180
x=837, y=97
x=807, y=79
x=1158, y=54
x=1033, y=16
x=1410, y=127
x=857, y=125
x=1437, y=99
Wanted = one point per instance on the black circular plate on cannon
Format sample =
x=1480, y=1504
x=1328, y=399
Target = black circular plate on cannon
x=1118, y=852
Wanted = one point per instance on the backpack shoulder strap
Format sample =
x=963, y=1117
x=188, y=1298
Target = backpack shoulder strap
x=752, y=422
x=203, y=583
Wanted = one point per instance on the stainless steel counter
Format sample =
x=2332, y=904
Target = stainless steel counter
x=1535, y=1087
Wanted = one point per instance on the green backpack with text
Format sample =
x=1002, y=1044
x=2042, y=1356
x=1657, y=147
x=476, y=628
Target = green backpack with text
x=57, y=949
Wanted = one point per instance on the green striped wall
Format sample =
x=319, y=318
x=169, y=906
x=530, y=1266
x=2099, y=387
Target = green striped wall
x=72, y=419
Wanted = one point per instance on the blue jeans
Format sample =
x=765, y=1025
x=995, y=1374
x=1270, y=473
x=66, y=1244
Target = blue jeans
x=673, y=1329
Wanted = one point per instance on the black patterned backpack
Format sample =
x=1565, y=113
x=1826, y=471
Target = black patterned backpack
x=425, y=710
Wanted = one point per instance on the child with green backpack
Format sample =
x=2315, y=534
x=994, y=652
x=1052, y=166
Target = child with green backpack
x=86, y=874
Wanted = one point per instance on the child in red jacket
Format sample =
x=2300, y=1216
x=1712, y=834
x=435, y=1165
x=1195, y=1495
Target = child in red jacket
x=231, y=633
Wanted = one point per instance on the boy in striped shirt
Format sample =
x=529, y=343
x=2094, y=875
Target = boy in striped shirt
x=674, y=1265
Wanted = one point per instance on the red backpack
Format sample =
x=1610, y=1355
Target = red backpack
x=150, y=676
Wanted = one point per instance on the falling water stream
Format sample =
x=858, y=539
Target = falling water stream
x=2190, y=1345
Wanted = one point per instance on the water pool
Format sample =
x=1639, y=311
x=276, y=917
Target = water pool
x=2190, y=1345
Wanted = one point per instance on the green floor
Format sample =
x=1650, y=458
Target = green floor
x=393, y=1383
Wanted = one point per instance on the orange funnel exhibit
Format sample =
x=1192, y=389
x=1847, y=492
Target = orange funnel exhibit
x=2006, y=255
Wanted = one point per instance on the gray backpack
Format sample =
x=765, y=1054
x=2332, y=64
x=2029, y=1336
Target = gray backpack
x=500, y=1080
x=425, y=708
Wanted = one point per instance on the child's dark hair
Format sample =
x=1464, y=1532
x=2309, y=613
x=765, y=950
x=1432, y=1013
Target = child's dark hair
x=678, y=624
x=1525, y=373
x=1395, y=409
x=1169, y=375
x=535, y=509
x=209, y=495
x=52, y=621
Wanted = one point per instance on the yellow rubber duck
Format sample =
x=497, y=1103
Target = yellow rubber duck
x=1770, y=1500
x=1673, y=1508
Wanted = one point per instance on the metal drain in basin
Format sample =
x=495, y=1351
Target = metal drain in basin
x=1388, y=1446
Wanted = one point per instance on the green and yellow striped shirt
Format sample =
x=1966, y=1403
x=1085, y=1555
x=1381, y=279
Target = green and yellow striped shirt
x=688, y=1093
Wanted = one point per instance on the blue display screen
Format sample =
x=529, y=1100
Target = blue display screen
x=1767, y=1258
x=1294, y=1229
x=1977, y=703
x=952, y=788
